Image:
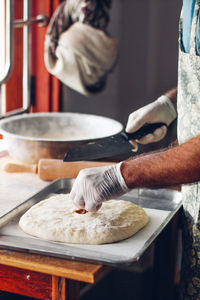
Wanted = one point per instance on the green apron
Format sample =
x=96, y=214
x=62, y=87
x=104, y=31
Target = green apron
x=188, y=127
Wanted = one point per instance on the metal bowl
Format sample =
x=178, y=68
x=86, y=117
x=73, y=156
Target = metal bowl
x=30, y=137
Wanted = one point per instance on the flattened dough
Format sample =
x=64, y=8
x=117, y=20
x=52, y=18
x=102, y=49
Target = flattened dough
x=55, y=219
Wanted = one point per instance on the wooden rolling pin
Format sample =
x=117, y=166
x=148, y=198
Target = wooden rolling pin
x=50, y=169
x=15, y=167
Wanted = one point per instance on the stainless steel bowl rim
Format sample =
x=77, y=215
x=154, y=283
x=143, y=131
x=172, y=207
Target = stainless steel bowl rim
x=119, y=126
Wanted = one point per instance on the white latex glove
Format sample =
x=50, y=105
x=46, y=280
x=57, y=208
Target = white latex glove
x=96, y=185
x=161, y=110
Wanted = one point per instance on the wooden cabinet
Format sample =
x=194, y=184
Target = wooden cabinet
x=44, y=277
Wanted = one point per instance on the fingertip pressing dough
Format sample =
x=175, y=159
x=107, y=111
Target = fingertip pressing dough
x=57, y=219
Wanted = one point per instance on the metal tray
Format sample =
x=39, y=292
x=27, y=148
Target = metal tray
x=160, y=205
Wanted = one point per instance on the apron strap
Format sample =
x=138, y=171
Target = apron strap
x=188, y=13
x=198, y=34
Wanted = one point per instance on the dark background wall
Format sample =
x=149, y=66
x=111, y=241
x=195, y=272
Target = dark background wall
x=148, y=34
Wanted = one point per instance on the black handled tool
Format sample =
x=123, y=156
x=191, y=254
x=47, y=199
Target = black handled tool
x=110, y=146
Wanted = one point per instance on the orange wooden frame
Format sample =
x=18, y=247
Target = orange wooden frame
x=13, y=87
x=47, y=89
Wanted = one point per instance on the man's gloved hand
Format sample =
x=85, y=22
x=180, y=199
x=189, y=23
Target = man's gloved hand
x=161, y=110
x=96, y=185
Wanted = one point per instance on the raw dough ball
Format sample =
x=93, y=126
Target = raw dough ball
x=56, y=219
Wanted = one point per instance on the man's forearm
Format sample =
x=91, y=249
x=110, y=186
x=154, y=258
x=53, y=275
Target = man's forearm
x=174, y=166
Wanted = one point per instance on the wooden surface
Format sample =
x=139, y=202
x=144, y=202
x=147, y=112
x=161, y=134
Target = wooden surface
x=25, y=282
x=45, y=277
x=74, y=270
x=38, y=285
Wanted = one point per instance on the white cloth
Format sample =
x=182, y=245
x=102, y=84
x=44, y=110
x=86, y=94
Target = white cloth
x=84, y=57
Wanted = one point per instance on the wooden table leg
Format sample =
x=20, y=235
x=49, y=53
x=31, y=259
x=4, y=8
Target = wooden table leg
x=72, y=289
x=65, y=289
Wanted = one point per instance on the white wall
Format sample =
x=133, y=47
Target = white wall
x=147, y=67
